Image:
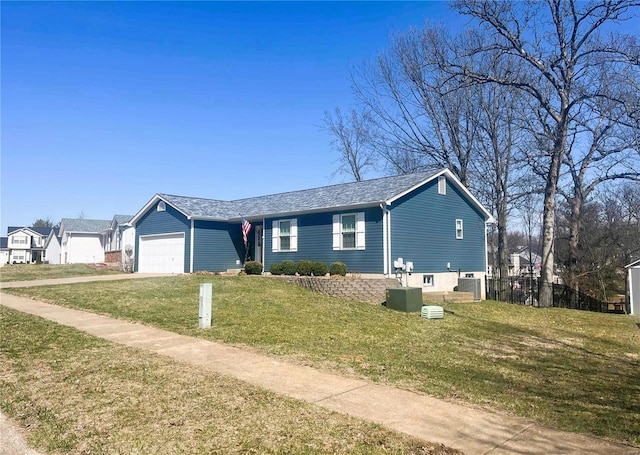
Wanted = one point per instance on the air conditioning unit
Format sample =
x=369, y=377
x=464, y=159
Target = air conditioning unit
x=472, y=285
x=432, y=312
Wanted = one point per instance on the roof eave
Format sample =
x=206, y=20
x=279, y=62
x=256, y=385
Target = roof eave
x=155, y=199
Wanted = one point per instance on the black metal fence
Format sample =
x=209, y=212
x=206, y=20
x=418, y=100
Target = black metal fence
x=526, y=291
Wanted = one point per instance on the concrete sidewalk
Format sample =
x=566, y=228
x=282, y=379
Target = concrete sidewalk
x=79, y=279
x=471, y=430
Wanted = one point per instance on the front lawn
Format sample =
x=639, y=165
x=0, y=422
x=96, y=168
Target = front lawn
x=79, y=394
x=573, y=370
x=24, y=272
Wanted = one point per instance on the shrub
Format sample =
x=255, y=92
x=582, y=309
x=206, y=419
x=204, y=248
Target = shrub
x=288, y=267
x=276, y=268
x=253, y=268
x=304, y=268
x=319, y=268
x=338, y=268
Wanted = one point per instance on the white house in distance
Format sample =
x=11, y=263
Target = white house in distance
x=633, y=285
x=52, y=248
x=82, y=240
x=118, y=238
x=26, y=244
x=4, y=251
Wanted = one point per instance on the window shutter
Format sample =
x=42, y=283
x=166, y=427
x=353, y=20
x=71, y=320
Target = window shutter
x=360, y=230
x=275, y=236
x=294, y=235
x=336, y=232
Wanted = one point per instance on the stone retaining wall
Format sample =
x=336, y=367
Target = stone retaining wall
x=361, y=290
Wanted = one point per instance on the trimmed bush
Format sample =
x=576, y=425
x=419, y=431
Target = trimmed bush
x=253, y=268
x=304, y=268
x=319, y=268
x=338, y=268
x=276, y=268
x=288, y=267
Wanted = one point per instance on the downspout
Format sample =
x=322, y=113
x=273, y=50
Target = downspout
x=191, y=247
x=385, y=246
x=263, y=249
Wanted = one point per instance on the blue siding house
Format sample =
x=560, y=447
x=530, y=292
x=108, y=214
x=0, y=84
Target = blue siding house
x=427, y=218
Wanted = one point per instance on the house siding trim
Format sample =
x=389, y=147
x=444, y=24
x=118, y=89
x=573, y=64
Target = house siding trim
x=192, y=233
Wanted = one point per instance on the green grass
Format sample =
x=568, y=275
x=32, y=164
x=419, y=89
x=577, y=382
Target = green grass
x=23, y=272
x=573, y=370
x=80, y=394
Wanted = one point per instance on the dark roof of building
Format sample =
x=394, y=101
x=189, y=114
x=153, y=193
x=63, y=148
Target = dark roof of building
x=344, y=195
x=4, y=243
x=368, y=192
x=43, y=231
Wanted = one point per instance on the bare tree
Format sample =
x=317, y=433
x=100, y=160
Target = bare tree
x=351, y=139
x=424, y=119
x=561, y=50
x=601, y=150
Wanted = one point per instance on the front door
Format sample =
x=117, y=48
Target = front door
x=258, y=244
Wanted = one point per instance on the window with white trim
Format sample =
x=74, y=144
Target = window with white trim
x=442, y=185
x=459, y=229
x=284, y=235
x=427, y=281
x=349, y=231
x=19, y=239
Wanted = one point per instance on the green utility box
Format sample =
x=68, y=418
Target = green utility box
x=404, y=299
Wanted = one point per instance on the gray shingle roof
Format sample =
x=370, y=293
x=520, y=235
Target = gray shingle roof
x=341, y=195
x=84, y=225
x=122, y=219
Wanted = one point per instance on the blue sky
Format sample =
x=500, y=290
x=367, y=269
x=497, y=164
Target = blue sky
x=105, y=104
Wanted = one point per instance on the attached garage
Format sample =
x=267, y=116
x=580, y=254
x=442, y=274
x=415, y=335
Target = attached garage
x=163, y=253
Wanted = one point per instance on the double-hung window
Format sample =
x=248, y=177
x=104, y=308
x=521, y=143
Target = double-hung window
x=284, y=235
x=459, y=230
x=349, y=231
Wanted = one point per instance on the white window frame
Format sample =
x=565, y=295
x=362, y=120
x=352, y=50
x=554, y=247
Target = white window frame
x=360, y=231
x=293, y=236
x=459, y=229
x=428, y=281
x=161, y=207
x=19, y=240
x=442, y=185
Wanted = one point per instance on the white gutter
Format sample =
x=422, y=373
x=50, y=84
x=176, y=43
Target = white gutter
x=385, y=246
x=388, y=265
x=191, y=248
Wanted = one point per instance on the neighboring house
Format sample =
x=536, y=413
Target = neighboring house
x=82, y=241
x=119, y=238
x=427, y=218
x=52, y=247
x=633, y=286
x=520, y=263
x=524, y=263
x=26, y=244
x=4, y=251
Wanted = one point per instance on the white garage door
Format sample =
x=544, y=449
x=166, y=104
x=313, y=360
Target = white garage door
x=161, y=253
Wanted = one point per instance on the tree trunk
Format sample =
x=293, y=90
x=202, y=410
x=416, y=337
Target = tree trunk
x=545, y=298
x=574, y=232
x=502, y=242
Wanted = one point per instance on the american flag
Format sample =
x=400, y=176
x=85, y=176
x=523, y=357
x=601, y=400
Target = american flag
x=246, y=227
